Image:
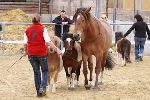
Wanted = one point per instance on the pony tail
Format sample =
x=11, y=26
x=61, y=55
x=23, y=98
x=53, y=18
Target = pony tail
x=109, y=62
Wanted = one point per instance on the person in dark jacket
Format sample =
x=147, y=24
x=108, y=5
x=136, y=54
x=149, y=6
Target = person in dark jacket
x=65, y=21
x=141, y=28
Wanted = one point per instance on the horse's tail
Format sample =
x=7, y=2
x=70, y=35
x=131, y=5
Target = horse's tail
x=109, y=61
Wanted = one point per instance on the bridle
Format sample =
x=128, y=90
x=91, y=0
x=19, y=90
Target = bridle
x=94, y=39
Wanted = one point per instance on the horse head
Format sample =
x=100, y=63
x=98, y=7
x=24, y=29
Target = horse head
x=69, y=41
x=56, y=42
x=118, y=36
x=81, y=18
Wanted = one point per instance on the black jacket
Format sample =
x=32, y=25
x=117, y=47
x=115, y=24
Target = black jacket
x=140, y=30
x=58, y=20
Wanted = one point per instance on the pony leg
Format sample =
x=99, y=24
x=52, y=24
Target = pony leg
x=67, y=76
x=78, y=74
x=53, y=84
x=73, y=81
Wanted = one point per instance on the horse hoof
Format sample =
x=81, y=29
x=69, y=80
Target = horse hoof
x=88, y=87
x=100, y=83
x=72, y=89
x=96, y=88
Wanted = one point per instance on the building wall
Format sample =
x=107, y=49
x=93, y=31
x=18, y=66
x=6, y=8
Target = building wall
x=129, y=4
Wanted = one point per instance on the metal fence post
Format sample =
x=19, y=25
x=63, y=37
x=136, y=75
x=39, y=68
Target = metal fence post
x=114, y=13
x=62, y=35
x=3, y=38
x=141, y=6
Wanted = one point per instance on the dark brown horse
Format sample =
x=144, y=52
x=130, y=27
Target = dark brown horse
x=70, y=61
x=96, y=39
x=123, y=47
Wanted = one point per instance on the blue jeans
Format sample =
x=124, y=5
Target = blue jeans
x=39, y=62
x=139, y=46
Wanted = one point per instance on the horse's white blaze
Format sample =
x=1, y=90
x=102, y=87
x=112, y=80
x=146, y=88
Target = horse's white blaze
x=78, y=17
x=68, y=40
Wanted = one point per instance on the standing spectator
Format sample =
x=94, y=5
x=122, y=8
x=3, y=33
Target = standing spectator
x=140, y=28
x=64, y=20
x=36, y=39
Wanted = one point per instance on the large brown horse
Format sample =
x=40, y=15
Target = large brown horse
x=96, y=39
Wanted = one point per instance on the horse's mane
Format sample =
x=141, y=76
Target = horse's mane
x=84, y=11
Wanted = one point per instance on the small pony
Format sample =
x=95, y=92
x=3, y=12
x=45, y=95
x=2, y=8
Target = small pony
x=123, y=47
x=70, y=61
x=54, y=64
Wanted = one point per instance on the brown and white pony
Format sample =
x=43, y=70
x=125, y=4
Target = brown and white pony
x=123, y=47
x=70, y=61
x=96, y=39
x=54, y=64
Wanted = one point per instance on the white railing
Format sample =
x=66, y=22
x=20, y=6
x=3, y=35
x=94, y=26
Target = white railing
x=3, y=40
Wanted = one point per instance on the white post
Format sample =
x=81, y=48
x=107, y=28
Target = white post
x=135, y=7
x=114, y=13
x=69, y=8
x=141, y=6
x=40, y=7
x=97, y=9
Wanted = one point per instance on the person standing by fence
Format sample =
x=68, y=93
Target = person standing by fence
x=36, y=40
x=65, y=21
x=140, y=28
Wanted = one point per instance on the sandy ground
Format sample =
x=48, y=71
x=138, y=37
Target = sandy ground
x=122, y=83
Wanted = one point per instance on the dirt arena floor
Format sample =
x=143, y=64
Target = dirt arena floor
x=122, y=83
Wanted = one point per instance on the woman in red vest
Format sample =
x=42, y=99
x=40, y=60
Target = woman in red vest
x=36, y=41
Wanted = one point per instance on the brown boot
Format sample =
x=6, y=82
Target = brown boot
x=44, y=92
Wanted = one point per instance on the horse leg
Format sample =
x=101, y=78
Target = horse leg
x=98, y=68
x=85, y=71
x=90, y=66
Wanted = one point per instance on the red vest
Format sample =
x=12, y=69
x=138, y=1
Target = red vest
x=36, y=44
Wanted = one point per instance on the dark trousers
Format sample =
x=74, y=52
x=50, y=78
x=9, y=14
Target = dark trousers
x=39, y=64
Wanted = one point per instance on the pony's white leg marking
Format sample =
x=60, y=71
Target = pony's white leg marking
x=91, y=83
x=52, y=82
x=73, y=80
x=54, y=88
x=69, y=78
x=77, y=83
x=68, y=82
